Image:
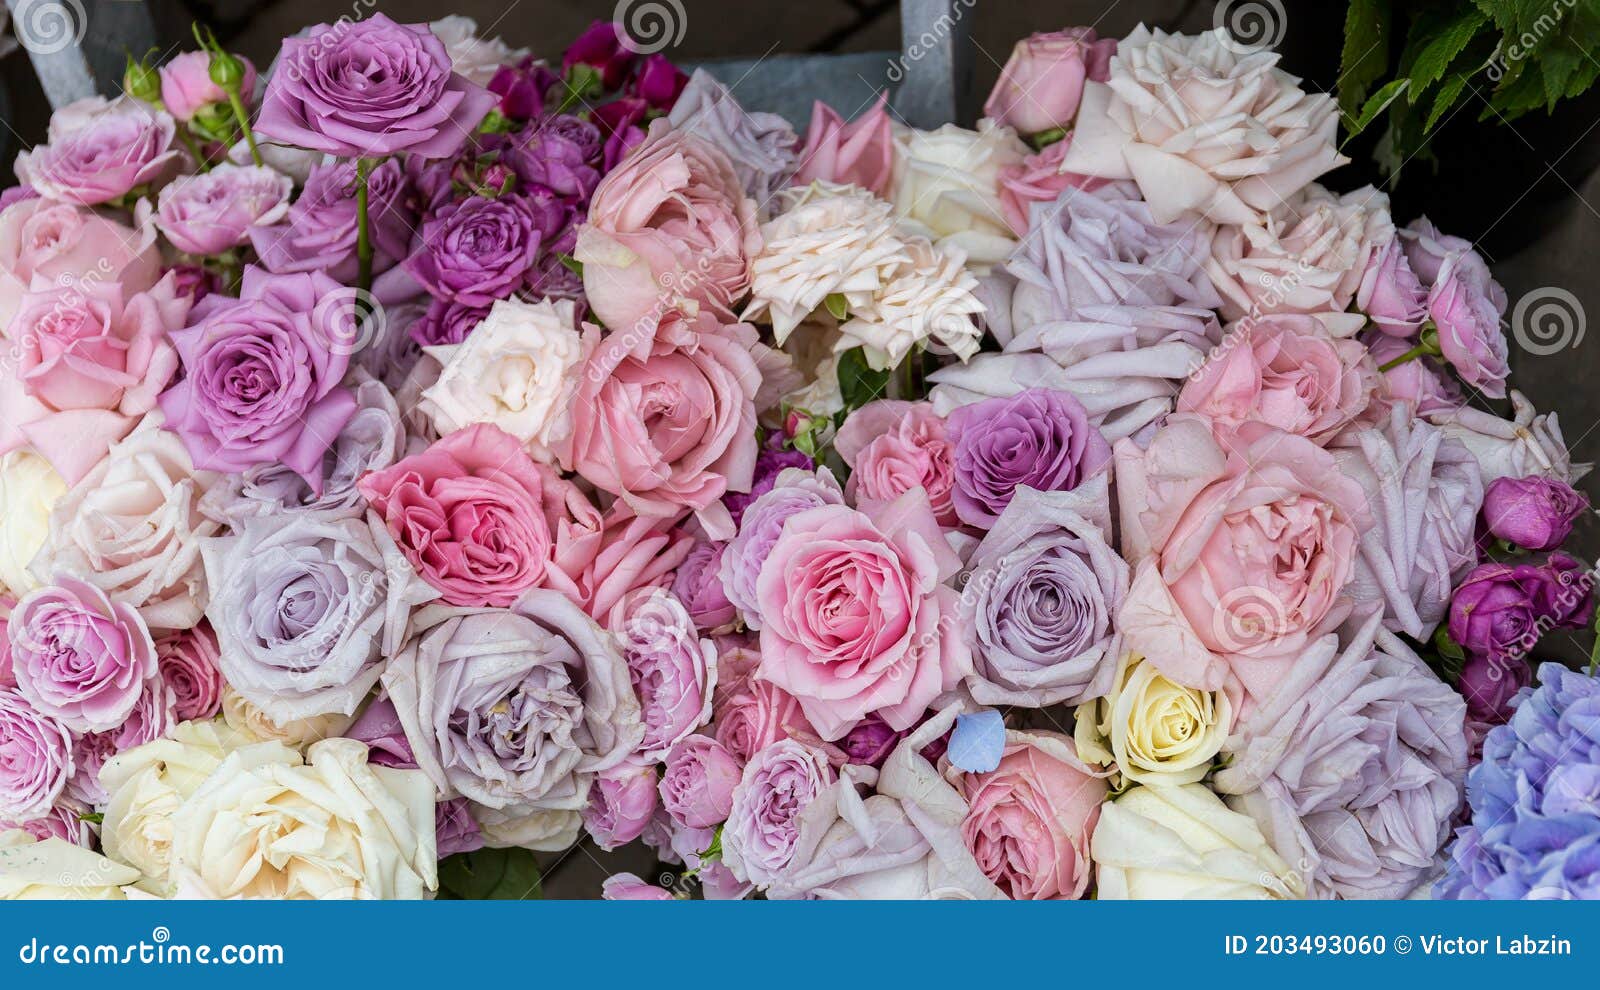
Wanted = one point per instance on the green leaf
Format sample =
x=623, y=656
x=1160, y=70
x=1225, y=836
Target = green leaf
x=838, y=306
x=491, y=875
x=859, y=384
x=1442, y=48
x=1376, y=104
x=1366, y=52
x=1449, y=93
x=92, y=817
x=570, y=263
x=1559, y=67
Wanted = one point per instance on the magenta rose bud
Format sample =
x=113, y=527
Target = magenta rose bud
x=602, y=47
x=186, y=85
x=622, y=801
x=697, y=784
x=658, y=82
x=217, y=210
x=262, y=375
x=1490, y=686
x=870, y=742
x=1039, y=438
x=79, y=657
x=188, y=664
x=369, y=88
x=698, y=585
x=1535, y=513
x=1042, y=82
x=1500, y=610
x=446, y=323
x=522, y=88
x=35, y=759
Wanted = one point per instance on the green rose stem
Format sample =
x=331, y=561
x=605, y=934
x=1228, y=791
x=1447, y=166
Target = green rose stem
x=363, y=227
x=1427, y=346
x=227, y=71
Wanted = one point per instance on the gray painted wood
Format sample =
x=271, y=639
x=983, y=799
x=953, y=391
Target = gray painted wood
x=78, y=47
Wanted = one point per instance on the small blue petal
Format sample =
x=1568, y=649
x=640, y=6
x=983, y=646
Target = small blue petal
x=978, y=741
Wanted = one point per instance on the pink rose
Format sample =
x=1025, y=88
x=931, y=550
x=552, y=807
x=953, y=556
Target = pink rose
x=597, y=559
x=628, y=887
x=698, y=584
x=68, y=245
x=894, y=446
x=469, y=513
x=186, y=84
x=187, y=660
x=757, y=716
x=622, y=800
x=671, y=223
x=1282, y=371
x=1390, y=293
x=1420, y=381
x=1465, y=303
x=697, y=784
x=780, y=783
x=860, y=153
x=673, y=670
x=1030, y=819
x=216, y=210
x=1038, y=179
x=101, y=152
x=90, y=358
x=1042, y=81
x=855, y=614
x=1241, y=552
x=664, y=416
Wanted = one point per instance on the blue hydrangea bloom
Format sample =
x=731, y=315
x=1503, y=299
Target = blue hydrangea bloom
x=1535, y=799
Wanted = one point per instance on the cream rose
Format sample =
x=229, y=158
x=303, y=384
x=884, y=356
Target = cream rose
x=242, y=716
x=1153, y=730
x=1203, y=126
x=1306, y=255
x=515, y=371
x=1183, y=843
x=930, y=297
x=132, y=527
x=266, y=825
x=29, y=488
x=56, y=870
x=148, y=784
x=947, y=186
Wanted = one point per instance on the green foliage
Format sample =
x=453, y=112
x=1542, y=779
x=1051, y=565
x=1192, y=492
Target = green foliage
x=490, y=875
x=1504, y=57
x=859, y=384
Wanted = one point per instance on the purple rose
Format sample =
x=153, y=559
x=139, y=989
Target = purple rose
x=621, y=803
x=262, y=375
x=1490, y=686
x=99, y=152
x=1535, y=513
x=192, y=281
x=1500, y=610
x=1390, y=294
x=454, y=828
x=673, y=670
x=628, y=887
x=447, y=323
x=319, y=232
x=78, y=656
x=522, y=88
x=697, y=784
x=763, y=828
x=476, y=251
x=871, y=741
x=1039, y=438
x=698, y=585
x=221, y=209
x=622, y=122
x=561, y=153
x=370, y=88
x=770, y=462
x=1465, y=304
x=602, y=47
x=35, y=759
x=795, y=491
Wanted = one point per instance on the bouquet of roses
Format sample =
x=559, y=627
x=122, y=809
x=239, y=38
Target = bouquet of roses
x=417, y=449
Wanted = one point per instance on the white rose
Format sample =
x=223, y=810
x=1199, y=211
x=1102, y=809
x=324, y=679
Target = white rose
x=132, y=527
x=930, y=296
x=1306, y=255
x=54, y=869
x=148, y=784
x=947, y=186
x=1154, y=730
x=1526, y=444
x=266, y=825
x=243, y=716
x=1183, y=843
x=1203, y=126
x=548, y=830
x=473, y=57
x=29, y=488
x=515, y=371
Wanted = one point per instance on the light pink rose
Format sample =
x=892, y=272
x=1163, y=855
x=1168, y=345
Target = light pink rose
x=697, y=784
x=88, y=361
x=856, y=615
x=673, y=670
x=670, y=224
x=101, y=152
x=894, y=446
x=1282, y=371
x=67, y=245
x=756, y=716
x=1042, y=82
x=860, y=153
x=621, y=803
x=597, y=559
x=1038, y=179
x=628, y=887
x=1241, y=553
x=1465, y=303
x=186, y=84
x=664, y=417
x=1029, y=820
x=1422, y=381
x=216, y=210
x=1390, y=293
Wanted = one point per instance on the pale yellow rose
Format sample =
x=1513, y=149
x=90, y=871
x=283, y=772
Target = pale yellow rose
x=947, y=186
x=298, y=733
x=1153, y=730
x=29, y=489
x=57, y=870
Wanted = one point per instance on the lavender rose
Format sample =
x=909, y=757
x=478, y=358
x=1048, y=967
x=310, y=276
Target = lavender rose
x=1465, y=304
x=79, y=657
x=673, y=670
x=319, y=231
x=795, y=491
x=780, y=783
x=262, y=375
x=475, y=251
x=1039, y=599
x=621, y=803
x=221, y=209
x=516, y=710
x=698, y=584
x=1535, y=513
x=35, y=759
x=1038, y=438
x=698, y=781
x=305, y=609
x=370, y=88
x=760, y=145
x=1352, y=765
